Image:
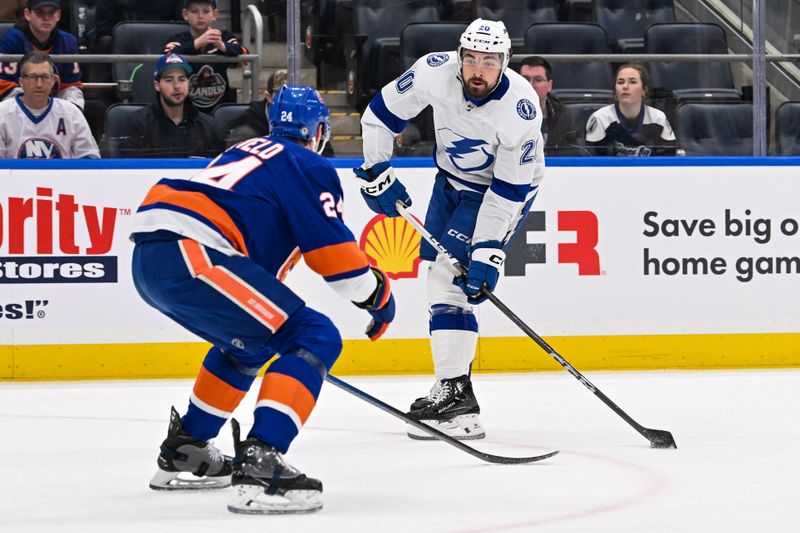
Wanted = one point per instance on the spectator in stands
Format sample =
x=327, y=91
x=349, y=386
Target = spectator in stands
x=38, y=31
x=254, y=121
x=629, y=127
x=171, y=126
x=11, y=9
x=34, y=125
x=558, y=125
x=208, y=85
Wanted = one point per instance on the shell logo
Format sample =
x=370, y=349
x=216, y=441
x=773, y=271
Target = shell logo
x=392, y=244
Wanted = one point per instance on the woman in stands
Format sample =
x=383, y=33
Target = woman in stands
x=629, y=127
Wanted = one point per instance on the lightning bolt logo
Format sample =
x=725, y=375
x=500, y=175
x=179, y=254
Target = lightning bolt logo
x=467, y=155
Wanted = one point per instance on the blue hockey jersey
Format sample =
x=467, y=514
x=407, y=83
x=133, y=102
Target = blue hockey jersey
x=15, y=41
x=269, y=199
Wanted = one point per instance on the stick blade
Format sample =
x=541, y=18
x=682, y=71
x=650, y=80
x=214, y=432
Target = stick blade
x=660, y=439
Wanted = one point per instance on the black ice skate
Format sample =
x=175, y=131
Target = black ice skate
x=451, y=408
x=189, y=464
x=425, y=401
x=264, y=483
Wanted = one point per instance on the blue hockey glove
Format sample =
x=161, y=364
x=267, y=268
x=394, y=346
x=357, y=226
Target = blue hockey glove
x=381, y=189
x=380, y=305
x=486, y=258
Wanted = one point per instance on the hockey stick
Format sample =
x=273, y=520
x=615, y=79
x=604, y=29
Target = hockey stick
x=489, y=458
x=658, y=438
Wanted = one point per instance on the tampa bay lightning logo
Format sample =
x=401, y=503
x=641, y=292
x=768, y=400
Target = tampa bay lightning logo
x=434, y=60
x=526, y=109
x=39, y=148
x=467, y=155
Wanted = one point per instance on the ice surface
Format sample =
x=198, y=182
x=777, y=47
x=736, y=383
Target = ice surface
x=77, y=457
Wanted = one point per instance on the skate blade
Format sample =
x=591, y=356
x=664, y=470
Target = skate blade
x=163, y=480
x=462, y=427
x=251, y=499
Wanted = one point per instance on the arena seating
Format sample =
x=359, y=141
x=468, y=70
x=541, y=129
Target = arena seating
x=578, y=80
x=141, y=38
x=787, y=129
x=715, y=128
x=626, y=21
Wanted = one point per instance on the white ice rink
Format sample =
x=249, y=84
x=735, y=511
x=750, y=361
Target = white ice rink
x=77, y=457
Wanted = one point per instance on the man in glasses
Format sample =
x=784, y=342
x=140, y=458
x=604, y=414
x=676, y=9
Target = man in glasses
x=38, y=31
x=34, y=125
x=558, y=126
x=490, y=162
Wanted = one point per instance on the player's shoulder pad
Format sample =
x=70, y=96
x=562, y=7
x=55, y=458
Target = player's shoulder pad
x=520, y=105
x=428, y=70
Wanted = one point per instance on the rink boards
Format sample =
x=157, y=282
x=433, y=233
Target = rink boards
x=623, y=264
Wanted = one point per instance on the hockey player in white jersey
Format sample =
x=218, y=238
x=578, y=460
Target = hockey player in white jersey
x=489, y=155
x=34, y=125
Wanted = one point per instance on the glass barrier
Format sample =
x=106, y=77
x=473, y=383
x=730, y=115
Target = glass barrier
x=691, y=102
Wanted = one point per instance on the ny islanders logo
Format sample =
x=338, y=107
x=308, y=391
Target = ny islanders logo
x=206, y=87
x=392, y=244
x=467, y=155
x=40, y=148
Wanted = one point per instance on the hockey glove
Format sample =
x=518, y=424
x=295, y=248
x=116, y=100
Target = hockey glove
x=380, y=305
x=486, y=258
x=381, y=189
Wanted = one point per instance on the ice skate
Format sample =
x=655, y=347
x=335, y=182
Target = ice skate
x=264, y=483
x=189, y=464
x=425, y=401
x=451, y=408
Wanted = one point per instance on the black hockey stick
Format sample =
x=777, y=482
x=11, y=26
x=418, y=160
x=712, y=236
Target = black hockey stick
x=658, y=438
x=489, y=458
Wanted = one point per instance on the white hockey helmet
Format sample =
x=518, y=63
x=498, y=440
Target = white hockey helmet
x=490, y=36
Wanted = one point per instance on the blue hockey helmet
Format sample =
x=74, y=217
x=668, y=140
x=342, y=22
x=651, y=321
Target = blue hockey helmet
x=298, y=112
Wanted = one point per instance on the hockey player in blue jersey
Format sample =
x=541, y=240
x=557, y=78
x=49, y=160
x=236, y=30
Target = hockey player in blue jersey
x=489, y=155
x=211, y=253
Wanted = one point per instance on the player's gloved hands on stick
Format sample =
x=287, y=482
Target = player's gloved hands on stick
x=381, y=189
x=486, y=258
x=380, y=305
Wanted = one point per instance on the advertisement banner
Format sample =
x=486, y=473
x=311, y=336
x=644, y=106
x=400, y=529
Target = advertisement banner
x=606, y=250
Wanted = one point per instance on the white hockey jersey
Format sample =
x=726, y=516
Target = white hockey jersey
x=61, y=132
x=494, y=146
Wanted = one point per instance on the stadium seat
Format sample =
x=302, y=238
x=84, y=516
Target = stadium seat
x=579, y=80
x=319, y=25
x=517, y=15
x=223, y=115
x=695, y=79
x=787, y=129
x=456, y=10
x=626, y=21
x=420, y=38
x=715, y=128
x=117, y=127
x=141, y=38
x=373, y=51
x=581, y=111
x=5, y=25
x=82, y=22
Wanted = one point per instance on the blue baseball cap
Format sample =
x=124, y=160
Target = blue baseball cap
x=212, y=2
x=169, y=61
